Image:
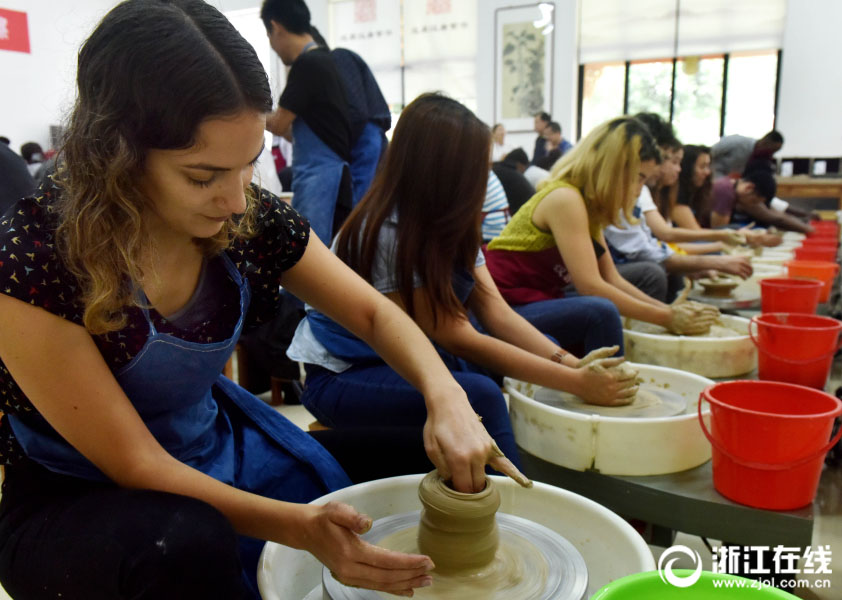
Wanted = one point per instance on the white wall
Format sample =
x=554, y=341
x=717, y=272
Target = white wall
x=565, y=67
x=810, y=97
x=38, y=88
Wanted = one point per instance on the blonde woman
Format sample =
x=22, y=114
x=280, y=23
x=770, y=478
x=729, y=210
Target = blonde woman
x=557, y=239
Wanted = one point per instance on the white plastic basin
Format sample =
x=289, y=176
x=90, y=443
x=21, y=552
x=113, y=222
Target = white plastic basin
x=614, y=445
x=708, y=357
x=611, y=547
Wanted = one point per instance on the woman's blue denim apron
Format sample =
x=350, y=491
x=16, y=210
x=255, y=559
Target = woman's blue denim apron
x=316, y=177
x=317, y=174
x=205, y=421
x=365, y=156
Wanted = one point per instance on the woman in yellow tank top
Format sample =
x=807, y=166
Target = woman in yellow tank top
x=556, y=238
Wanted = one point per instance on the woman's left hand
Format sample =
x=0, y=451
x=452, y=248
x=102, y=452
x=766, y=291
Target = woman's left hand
x=459, y=446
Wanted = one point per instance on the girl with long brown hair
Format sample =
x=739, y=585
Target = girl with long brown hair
x=416, y=238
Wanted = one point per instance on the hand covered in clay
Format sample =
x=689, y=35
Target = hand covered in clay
x=459, y=446
x=736, y=265
x=732, y=237
x=689, y=317
x=692, y=318
x=604, y=352
x=607, y=380
x=332, y=535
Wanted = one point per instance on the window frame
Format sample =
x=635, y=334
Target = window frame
x=723, y=101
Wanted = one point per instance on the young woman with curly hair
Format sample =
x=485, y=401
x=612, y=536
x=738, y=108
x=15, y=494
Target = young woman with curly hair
x=133, y=468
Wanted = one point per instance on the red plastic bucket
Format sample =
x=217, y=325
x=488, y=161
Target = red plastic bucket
x=819, y=241
x=789, y=295
x=795, y=348
x=820, y=252
x=769, y=441
x=814, y=269
x=824, y=229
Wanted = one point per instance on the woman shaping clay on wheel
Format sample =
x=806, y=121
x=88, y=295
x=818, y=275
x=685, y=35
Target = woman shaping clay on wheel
x=133, y=468
x=415, y=236
x=557, y=237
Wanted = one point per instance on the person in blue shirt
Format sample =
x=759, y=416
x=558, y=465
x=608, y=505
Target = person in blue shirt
x=555, y=139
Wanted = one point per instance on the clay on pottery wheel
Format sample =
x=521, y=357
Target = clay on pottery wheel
x=720, y=288
x=458, y=531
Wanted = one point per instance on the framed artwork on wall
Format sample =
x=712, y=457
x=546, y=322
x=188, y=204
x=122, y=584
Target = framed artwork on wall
x=523, y=64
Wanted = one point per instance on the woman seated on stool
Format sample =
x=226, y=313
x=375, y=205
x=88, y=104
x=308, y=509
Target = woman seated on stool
x=415, y=236
x=133, y=468
x=557, y=237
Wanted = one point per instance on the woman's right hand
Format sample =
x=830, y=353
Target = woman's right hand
x=735, y=265
x=732, y=237
x=601, y=382
x=691, y=318
x=332, y=532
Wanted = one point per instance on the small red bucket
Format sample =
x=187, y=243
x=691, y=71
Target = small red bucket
x=795, y=348
x=821, y=252
x=825, y=229
x=824, y=271
x=789, y=295
x=769, y=441
x=819, y=241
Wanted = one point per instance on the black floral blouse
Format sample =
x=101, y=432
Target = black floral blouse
x=31, y=270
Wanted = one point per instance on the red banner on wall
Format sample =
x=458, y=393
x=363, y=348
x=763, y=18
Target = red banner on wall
x=14, y=31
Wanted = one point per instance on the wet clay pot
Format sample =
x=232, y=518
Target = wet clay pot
x=457, y=530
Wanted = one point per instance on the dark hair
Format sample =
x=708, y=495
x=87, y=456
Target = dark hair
x=648, y=144
x=661, y=130
x=764, y=182
x=773, y=137
x=292, y=14
x=697, y=198
x=517, y=157
x=545, y=117
x=5, y=140
x=30, y=149
x=554, y=127
x=318, y=37
x=437, y=195
x=547, y=161
x=148, y=76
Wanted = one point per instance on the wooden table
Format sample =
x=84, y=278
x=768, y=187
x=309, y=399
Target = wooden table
x=806, y=187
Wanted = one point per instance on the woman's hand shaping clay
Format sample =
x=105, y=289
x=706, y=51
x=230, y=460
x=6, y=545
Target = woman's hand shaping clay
x=332, y=535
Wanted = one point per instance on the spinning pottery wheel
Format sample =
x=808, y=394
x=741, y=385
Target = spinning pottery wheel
x=609, y=546
x=549, y=567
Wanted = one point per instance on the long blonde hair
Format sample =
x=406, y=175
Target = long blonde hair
x=604, y=166
x=148, y=76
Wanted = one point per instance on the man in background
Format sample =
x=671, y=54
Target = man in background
x=555, y=141
x=510, y=171
x=542, y=120
x=327, y=114
x=15, y=180
x=731, y=154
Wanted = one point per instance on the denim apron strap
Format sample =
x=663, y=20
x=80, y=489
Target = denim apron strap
x=178, y=390
x=316, y=179
x=365, y=156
